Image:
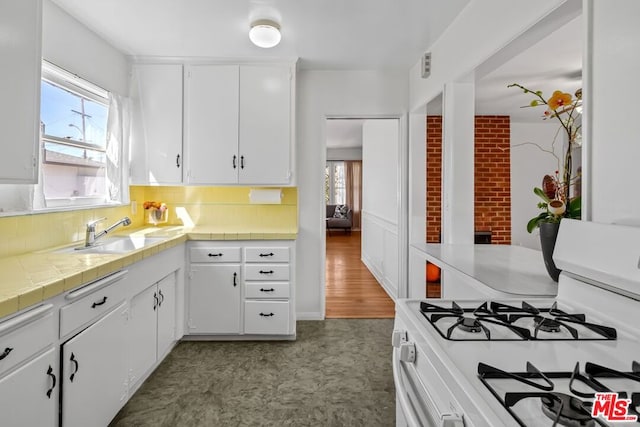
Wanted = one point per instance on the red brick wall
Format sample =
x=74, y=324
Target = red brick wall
x=492, y=177
x=434, y=177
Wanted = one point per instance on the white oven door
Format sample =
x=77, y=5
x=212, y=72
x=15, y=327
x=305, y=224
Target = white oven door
x=414, y=406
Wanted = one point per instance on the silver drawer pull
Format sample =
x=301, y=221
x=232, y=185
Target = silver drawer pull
x=267, y=290
x=266, y=272
x=266, y=315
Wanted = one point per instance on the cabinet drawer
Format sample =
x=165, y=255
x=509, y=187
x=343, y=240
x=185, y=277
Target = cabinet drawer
x=266, y=317
x=266, y=272
x=214, y=254
x=24, y=341
x=90, y=305
x=266, y=254
x=267, y=290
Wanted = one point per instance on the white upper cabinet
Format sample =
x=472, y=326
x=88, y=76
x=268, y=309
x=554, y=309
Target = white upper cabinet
x=238, y=124
x=211, y=124
x=21, y=53
x=265, y=125
x=157, y=156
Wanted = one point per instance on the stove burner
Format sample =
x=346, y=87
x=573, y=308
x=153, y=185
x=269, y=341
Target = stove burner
x=566, y=410
x=547, y=325
x=470, y=325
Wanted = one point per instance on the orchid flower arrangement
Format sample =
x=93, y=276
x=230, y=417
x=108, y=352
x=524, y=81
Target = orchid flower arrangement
x=556, y=202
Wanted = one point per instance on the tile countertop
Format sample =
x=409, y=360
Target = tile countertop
x=30, y=278
x=514, y=270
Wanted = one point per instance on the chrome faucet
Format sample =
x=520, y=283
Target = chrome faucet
x=91, y=235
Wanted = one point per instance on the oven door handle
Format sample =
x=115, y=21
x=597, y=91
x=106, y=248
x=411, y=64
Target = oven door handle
x=440, y=420
x=401, y=394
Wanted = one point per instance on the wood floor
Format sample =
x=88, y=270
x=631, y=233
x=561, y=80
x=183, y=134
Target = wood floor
x=351, y=290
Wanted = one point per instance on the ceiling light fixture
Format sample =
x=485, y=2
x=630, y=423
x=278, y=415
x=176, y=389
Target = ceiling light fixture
x=265, y=33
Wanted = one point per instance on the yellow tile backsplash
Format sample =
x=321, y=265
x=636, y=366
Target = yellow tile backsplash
x=226, y=207
x=220, y=206
x=32, y=232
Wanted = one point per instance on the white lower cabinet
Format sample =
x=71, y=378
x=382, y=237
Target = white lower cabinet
x=166, y=331
x=241, y=288
x=94, y=371
x=30, y=393
x=214, y=299
x=152, y=325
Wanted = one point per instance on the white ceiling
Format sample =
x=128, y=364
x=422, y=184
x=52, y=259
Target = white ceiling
x=324, y=34
x=554, y=63
x=344, y=133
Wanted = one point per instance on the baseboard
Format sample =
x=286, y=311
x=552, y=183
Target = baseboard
x=378, y=276
x=310, y=315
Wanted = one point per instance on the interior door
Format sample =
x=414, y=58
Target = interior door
x=94, y=372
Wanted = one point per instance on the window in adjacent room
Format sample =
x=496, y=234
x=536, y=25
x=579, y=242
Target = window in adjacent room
x=335, y=189
x=73, y=119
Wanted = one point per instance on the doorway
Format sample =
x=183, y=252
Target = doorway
x=354, y=286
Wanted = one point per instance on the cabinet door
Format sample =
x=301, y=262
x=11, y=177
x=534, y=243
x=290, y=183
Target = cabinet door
x=30, y=394
x=166, y=313
x=94, y=372
x=160, y=97
x=142, y=333
x=265, y=125
x=20, y=50
x=211, y=124
x=214, y=299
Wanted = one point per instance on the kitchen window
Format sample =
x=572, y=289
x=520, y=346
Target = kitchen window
x=81, y=155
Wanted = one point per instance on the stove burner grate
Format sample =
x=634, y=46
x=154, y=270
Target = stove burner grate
x=551, y=321
x=566, y=410
x=570, y=410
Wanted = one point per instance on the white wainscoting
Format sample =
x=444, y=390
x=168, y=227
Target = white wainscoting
x=380, y=251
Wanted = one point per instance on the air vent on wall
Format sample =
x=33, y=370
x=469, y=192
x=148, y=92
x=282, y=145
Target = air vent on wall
x=426, y=65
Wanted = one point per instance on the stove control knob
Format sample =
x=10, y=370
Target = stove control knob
x=452, y=420
x=408, y=352
x=398, y=337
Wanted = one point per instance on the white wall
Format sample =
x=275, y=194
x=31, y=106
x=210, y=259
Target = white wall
x=380, y=169
x=480, y=31
x=529, y=164
x=344, y=153
x=612, y=128
x=72, y=46
x=323, y=94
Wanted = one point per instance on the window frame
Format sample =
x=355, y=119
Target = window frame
x=75, y=85
x=331, y=166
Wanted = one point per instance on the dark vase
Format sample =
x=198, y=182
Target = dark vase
x=548, y=235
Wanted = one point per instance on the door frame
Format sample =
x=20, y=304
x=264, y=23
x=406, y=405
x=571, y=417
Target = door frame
x=403, y=199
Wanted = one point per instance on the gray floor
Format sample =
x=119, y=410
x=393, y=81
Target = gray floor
x=337, y=373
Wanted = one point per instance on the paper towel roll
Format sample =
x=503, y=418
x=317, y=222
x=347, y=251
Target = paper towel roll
x=271, y=196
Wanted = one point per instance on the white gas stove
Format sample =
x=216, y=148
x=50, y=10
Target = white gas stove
x=536, y=362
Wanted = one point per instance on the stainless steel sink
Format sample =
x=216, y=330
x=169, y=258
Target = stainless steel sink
x=114, y=245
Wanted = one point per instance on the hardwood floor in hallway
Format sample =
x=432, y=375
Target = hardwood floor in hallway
x=351, y=290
